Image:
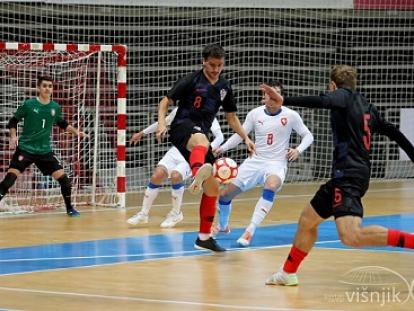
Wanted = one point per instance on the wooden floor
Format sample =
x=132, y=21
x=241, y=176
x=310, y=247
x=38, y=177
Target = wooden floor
x=203, y=281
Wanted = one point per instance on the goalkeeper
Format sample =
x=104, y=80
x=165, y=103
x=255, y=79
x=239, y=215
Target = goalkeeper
x=34, y=145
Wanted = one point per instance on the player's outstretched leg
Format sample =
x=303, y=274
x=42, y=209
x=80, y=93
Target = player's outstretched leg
x=305, y=238
x=204, y=172
x=263, y=207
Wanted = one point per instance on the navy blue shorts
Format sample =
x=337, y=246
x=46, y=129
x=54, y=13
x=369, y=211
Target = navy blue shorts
x=340, y=197
x=47, y=163
x=180, y=135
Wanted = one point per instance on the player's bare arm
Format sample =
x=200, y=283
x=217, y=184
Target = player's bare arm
x=235, y=124
x=162, y=112
x=136, y=137
x=273, y=94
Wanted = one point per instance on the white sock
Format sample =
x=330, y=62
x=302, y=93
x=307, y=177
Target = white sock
x=149, y=196
x=262, y=208
x=203, y=236
x=177, y=197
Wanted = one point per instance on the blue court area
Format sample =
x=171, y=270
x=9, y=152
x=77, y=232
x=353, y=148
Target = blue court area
x=110, y=251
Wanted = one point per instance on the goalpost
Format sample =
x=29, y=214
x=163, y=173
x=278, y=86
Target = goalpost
x=90, y=87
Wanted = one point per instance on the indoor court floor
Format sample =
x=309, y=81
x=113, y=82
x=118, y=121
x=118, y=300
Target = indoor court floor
x=98, y=262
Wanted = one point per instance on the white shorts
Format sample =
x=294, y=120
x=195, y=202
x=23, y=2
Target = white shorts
x=253, y=172
x=174, y=161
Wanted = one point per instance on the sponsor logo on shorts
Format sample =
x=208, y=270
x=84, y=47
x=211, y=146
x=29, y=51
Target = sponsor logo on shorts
x=337, y=197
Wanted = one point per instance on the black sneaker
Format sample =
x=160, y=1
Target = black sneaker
x=72, y=212
x=209, y=244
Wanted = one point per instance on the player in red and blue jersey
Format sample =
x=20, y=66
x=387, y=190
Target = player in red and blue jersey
x=199, y=96
x=353, y=121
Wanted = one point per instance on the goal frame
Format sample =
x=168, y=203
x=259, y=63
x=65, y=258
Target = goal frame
x=121, y=52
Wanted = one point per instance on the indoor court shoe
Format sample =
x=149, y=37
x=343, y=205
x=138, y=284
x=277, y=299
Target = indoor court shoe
x=209, y=244
x=245, y=239
x=72, y=212
x=138, y=218
x=283, y=278
x=202, y=174
x=172, y=219
x=218, y=231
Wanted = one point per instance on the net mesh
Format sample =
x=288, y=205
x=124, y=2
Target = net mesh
x=75, y=87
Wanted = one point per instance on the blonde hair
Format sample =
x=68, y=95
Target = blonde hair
x=344, y=76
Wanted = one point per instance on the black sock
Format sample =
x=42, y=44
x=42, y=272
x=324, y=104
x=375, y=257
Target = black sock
x=66, y=189
x=7, y=182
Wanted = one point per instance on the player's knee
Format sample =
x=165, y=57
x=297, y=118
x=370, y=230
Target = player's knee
x=176, y=177
x=64, y=181
x=158, y=175
x=226, y=194
x=273, y=183
x=350, y=238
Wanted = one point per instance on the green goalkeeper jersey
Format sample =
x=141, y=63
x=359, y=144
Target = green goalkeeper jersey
x=38, y=123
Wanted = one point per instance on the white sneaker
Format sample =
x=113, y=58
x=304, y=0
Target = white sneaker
x=245, y=239
x=283, y=278
x=202, y=174
x=138, y=218
x=172, y=219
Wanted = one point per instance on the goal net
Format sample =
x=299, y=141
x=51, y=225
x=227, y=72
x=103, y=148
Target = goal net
x=85, y=86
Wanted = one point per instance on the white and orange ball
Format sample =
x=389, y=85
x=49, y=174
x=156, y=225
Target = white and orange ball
x=225, y=170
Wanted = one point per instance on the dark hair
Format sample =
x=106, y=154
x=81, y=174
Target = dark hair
x=43, y=78
x=277, y=83
x=344, y=76
x=214, y=51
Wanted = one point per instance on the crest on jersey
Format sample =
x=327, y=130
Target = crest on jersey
x=21, y=157
x=284, y=121
x=223, y=94
x=52, y=112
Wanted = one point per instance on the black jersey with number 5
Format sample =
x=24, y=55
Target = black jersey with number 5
x=353, y=121
x=199, y=100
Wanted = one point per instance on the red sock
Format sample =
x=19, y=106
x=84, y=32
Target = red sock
x=294, y=259
x=207, y=212
x=197, y=158
x=398, y=238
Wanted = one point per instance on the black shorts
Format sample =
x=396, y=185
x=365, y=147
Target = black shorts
x=181, y=133
x=47, y=163
x=340, y=197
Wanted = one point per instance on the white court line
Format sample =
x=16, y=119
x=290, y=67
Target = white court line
x=159, y=301
x=171, y=254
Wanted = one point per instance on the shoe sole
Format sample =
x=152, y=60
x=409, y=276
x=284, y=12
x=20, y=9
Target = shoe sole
x=243, y=242
x=137, y=223
x=281, y=283
x=203, y=173
x=207, y=249
x=172, y=225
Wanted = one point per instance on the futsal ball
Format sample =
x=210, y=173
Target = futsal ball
x=225, y=170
